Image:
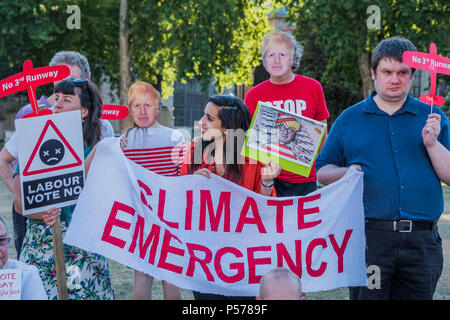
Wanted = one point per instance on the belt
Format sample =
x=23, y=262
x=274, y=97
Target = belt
x=400, y=225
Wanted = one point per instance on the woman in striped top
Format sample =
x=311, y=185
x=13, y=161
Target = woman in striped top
x=157, y=148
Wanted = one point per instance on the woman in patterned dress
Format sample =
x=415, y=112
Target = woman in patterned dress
x=88, y=274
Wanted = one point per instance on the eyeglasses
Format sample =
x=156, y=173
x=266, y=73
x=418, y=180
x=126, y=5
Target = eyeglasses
x=4, y=241
x=285, y=128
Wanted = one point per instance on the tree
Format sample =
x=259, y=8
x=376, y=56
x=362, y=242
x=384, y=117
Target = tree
x=125, y=71
x=169, y=40
x=183, y=39
x=340, y=29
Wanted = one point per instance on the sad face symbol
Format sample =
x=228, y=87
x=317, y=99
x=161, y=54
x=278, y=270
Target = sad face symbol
x=51, y=152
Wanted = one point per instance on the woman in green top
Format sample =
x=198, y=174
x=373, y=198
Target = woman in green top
x=87, y=273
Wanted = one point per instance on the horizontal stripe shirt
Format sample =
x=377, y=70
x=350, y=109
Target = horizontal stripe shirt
x=160, y=149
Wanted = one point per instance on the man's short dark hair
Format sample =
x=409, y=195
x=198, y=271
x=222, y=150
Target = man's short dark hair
x=391, y=48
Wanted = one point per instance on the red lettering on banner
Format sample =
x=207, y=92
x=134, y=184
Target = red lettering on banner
x=147, y=191
x=238, y=266
x=252, y=262
x=282, y=253
x=166, y=248
x=314, y=243
x=340, y=250
x=188, y=215
x=161, y=204
x=250, y=203
x=153, y=238
x=280, y=204
x=302, y=212
x=113, y=221
x=223, y=206
x=203, y=262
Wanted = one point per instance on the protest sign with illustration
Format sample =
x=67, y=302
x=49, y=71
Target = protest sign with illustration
x=211, y=235
x=51, y=160
x=291, y=140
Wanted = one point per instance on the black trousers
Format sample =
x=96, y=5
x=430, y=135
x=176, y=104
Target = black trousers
x=410, y=265
x=20, y=228
x=289, y=189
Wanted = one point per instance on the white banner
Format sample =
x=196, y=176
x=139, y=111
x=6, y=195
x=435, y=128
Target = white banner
x=211, y=235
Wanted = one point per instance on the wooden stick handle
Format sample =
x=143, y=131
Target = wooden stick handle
x=59, y=260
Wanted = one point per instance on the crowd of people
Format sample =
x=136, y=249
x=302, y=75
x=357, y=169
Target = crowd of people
x=390, y=136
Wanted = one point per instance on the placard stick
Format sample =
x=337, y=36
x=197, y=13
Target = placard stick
x=60, y=265
x=431, y=105
x=28, y=67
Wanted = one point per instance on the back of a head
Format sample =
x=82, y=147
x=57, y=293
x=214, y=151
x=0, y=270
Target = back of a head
x=278, y=37
x=73, y=58
x=391, y=48
x=280, y=284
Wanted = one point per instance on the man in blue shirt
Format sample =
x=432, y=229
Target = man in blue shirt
x=403, y=151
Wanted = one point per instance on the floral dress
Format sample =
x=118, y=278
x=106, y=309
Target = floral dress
x=88, y=276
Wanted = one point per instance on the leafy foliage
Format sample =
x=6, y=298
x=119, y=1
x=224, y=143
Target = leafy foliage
x=201, y=39
x=37, y=30
x=336, y=32
x=169, y=39
x=341, y=31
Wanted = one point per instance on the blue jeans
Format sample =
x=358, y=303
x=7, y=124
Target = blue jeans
x=410, y=264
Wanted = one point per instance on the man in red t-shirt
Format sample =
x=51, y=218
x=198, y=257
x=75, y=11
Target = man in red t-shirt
x=291, y=92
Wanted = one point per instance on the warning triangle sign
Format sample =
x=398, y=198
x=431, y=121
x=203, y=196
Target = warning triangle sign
x=51, y=153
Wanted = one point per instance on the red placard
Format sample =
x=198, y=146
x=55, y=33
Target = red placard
x=31, y=78
x=432, y=63
x=114, y=112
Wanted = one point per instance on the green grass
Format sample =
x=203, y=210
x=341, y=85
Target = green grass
x=446, y=199
x=122, y=280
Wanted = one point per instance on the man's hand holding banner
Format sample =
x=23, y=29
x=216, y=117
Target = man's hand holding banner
x=214, y=236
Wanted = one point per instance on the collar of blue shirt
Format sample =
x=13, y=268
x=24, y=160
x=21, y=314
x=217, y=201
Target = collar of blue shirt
x=371, y=107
